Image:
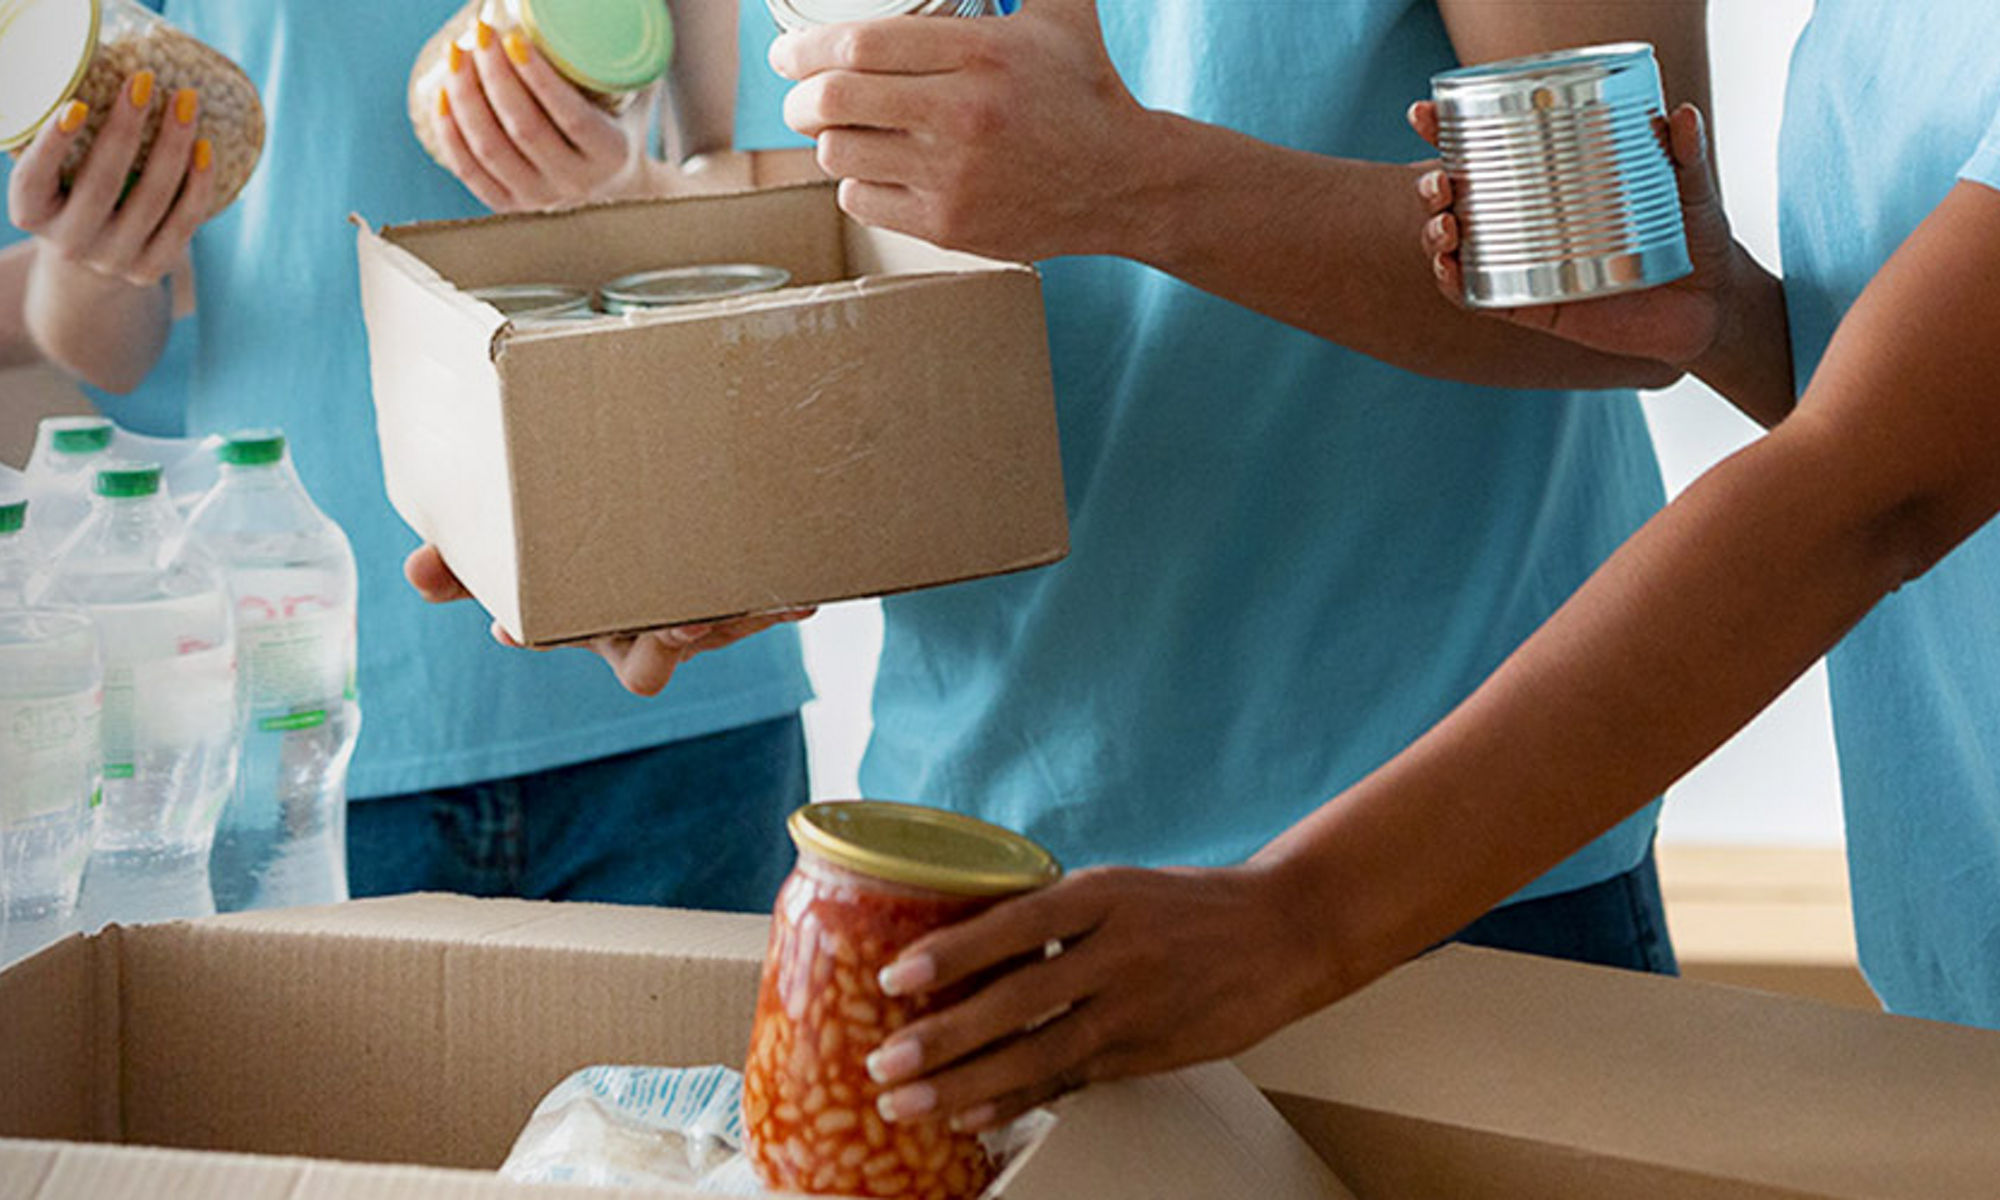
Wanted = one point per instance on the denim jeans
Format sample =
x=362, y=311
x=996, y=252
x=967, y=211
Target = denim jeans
x=698, y=823
x=1621, y=922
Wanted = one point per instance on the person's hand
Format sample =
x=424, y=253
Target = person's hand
x=643, y=662
x=1158, y=969
x=1011, y=137
x=1676, y=323
x=522, y=137
x=132, y=230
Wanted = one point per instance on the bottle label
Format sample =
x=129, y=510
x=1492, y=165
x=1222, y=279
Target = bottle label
x=185, y=700
x=50, y=750
x=301, y=658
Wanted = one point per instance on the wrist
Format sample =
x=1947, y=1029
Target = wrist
x=1742, y=293
x=1147, y=218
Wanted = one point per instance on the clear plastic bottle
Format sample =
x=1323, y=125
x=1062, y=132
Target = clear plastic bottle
x=283, y=836
x=68, y=451
x=169, y=724
x=51, y=687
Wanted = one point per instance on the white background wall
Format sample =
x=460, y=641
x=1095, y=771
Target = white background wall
x=1774, y=784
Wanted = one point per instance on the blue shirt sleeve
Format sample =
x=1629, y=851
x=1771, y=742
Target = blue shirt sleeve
x=8, y=234
x=1985, y=164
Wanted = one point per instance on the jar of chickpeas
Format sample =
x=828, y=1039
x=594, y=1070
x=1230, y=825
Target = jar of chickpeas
x=70, y=60
x=871, y=878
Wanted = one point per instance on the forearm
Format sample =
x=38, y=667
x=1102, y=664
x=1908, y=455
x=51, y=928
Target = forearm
x=105, y=331
x=17, y=347
x=1333, y=247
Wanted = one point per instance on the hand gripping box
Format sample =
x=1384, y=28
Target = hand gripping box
x=884, y=423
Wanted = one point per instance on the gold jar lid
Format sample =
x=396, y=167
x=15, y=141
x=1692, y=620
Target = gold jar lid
x=922, y=847
x=45, y=48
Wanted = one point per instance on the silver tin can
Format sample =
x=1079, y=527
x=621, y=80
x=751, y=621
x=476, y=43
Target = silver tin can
x=689, y=285
x=532, y=303
x=794, y=15
x=1564, y=187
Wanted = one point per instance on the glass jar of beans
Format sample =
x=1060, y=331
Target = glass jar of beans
x=871, y=878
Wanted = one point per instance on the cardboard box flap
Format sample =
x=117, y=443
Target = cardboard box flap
x=1466, y=1050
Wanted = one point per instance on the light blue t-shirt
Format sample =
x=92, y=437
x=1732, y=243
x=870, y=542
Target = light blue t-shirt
x=1289, y=559
x=280, y=342
x=1890, y=105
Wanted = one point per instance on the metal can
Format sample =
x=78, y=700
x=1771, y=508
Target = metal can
x=794, y=15
x=1565, y=189
x=675, y=286
x=533, y=303
x=871, y=877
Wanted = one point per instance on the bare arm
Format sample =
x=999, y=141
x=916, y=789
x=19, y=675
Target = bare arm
x=17, y=349
x=1016, y=138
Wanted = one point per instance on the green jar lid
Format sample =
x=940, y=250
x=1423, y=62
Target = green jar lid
x=252, y=448
x=922, y=847
x=604, y=45
x=79, y=435
x=45, y=48
x=13, y=516
x=129, y=480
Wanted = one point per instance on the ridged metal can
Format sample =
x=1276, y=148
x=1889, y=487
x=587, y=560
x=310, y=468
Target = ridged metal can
x=1564, y=186
x=795, y=15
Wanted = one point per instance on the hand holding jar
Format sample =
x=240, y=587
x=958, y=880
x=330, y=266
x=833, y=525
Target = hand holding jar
x=532, y=103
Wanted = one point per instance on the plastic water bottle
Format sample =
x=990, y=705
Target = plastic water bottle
x=283, y=838
x=50, y=692
x=169, y=723
x=68, y=451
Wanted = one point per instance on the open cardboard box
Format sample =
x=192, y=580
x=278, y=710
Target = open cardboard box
x=395, y=1048
x=885, y=423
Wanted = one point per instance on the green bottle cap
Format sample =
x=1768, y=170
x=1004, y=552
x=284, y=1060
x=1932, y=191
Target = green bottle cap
x=129, y=480
x=604, y=45
x=13, y=516
x=79, y=435
x=252, y=448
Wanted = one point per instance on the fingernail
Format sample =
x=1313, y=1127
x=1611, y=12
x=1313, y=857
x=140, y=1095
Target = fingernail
x=907, y=1103
x=681, y=635
x=483, y=33
x=454, y=58
x=907, y=974
x=1434, y=228
x=517, y=47
x=979, y=1116
x=142, y=89
x=444, y=103
x=1437, y=265
x=896, y=1061
x=204, y=154
x=185, y=102
x=1430, y=184
x=72, y=116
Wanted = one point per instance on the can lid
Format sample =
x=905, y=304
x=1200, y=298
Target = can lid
x=533, y=299
x=252, y=448
x=690, y=285
x=78, y=435
x=128, y=480
x=923, y=847
x=13, y=516
x=45, y=47
x=605, y=45
x=795, y=15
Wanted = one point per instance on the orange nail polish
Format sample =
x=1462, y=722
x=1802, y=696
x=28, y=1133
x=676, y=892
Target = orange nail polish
x=454, y=58
x=185, y=102
x=484, y=33
x=444, y=103
x=517, y=47
x=142, y=89
x=72, y=116
x=204, y=154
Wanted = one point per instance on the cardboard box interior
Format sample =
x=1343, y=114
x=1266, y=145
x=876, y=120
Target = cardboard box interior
x=422, y=1032
x=885, y=423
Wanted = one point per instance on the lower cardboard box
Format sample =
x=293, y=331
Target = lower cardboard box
x=394, y=1048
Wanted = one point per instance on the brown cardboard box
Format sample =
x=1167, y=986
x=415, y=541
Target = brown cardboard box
x=417, y=1034
x=886, y=423
x=1775, y=918
x=1472, y=1074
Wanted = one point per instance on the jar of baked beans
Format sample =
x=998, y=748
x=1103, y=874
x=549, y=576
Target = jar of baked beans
x=871, y=878
x=71, y=59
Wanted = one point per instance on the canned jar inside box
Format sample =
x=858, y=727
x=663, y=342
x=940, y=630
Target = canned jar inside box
x=794, y=15
x=56, y=51
x=871, y=878
x=1564, y=186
